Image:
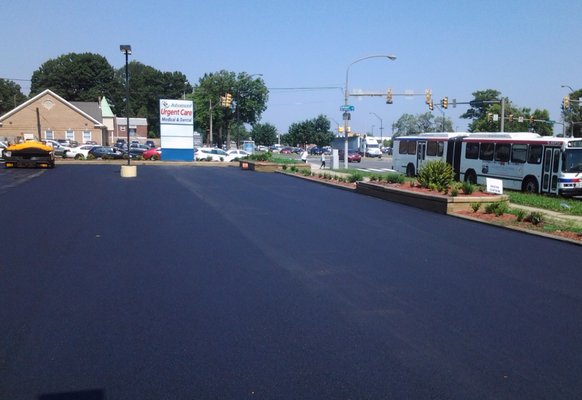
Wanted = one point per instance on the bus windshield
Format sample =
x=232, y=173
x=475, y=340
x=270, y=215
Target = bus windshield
x=572, y=161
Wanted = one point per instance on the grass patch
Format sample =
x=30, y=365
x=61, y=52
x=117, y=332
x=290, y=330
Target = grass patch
x=559, y=204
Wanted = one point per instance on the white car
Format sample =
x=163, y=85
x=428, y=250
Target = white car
x=79, y=152
x=211, y=154
x=237, y=154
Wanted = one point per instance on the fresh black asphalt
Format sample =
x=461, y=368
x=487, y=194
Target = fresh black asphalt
x=218, y=283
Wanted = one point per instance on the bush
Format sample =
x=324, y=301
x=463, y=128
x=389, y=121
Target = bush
x=355, y=176
x=535, y=217
x=468, y=187
x=498, y=208
x=436, y=174
x=455, y=187
x=475, y=206
x=394, y=178
x=520, y=215
x=261, y=156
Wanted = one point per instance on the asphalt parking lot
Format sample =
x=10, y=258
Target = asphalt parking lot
x=193, y=282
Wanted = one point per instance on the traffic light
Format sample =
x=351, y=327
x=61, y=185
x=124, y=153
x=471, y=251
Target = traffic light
x=389, y=96
x=430, y=105
x=566, y=103
x=489, y=117
x=531, y=119
x=427, y=96
x=227, y=99
x=510, y=117
x=223, y=101
x=445, y=103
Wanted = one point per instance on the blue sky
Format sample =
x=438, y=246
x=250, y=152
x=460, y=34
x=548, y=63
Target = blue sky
x=525, y=49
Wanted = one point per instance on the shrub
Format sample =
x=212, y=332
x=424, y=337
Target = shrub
x=468, y=187
x=475, y=206
x=520, y=215
x=498, y=208
x=306, y=172
x=261, y=156
x=437, y=174
x=355, y=176
x=284, y=167
x=394, y=178
x=535, y=217
x=455, y=187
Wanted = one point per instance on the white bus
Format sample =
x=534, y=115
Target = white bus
x=410, y=153
x=522, y=160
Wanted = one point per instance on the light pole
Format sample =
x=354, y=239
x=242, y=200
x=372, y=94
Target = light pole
x=570, y=112
x=126, y=49
x=381, y=129
x=346, y=114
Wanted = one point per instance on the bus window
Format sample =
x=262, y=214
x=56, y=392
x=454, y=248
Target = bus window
x=432, y=149
x=535, y=154
x=502, y=151
x=486, y=151
x=519, y=153
x=411, y=146
x=472, y=151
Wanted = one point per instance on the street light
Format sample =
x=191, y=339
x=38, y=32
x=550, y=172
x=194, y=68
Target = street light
x=126, y=49
x=381, y=128
x=346, y=114
x=571, y=116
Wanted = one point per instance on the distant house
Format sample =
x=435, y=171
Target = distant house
x=49, y=116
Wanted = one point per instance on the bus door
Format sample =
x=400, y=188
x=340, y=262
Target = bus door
x=551, y=169
x=420, y=154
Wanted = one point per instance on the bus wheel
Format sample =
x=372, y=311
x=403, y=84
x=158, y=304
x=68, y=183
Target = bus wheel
x=410, y=170
x=471, y=177
x=529, y=185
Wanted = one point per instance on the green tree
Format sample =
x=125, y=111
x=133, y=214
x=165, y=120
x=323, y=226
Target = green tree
x=76, y=77
x=409, y=124
x=316, y=131
x=573, y=115
x=10, y=96
x=486, y=111
x=147, y=86
x=264, y=134
x=249, y=101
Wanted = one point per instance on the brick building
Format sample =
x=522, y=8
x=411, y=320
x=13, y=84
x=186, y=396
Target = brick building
x=49, y=116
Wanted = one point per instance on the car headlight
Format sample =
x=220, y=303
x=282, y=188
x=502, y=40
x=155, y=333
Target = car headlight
x=7, y=153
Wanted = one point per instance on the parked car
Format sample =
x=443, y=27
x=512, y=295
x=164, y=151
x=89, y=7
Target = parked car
x=94, y=143
x=3, y=146
x=262, y=148
x=79, y=152
x=133, y=153
x=134, y=145
x=106, y=153
x=151, y=144
x=237, y=154
x=286, y=150
x=211, y=154
x=152, y=154
x=315, y=151
x=353, y=156
x=387, y=150
x=120, y=143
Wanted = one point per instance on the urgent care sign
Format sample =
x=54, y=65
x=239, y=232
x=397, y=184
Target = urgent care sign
x=177, y=130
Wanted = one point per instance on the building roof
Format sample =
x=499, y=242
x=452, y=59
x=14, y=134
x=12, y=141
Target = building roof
x=90, y=107
x=97, y=122
x=106, y=111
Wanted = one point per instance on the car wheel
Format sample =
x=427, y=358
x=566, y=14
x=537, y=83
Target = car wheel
x=79, y=157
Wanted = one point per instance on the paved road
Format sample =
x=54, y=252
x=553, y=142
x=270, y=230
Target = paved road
x=203, y=283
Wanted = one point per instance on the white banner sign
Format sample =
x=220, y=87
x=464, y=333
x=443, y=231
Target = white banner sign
x=494, y=185
x=176, y=112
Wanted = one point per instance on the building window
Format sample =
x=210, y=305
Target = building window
x=86, y=136
x=49, y=134
x=122, y=128
x=70, y=134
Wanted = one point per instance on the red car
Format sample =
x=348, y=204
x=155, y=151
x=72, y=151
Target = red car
x=353, y=156
x=152, y=154
x=286, y=150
